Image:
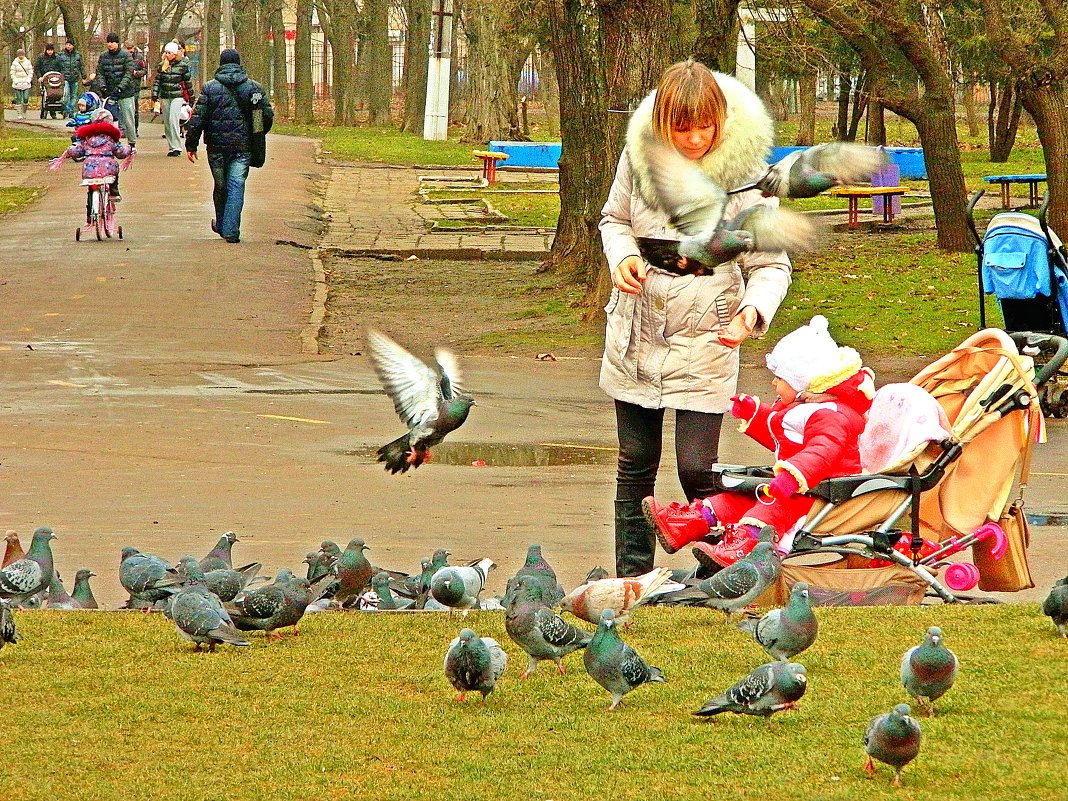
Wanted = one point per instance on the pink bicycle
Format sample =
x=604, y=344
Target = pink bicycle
x=99, y=209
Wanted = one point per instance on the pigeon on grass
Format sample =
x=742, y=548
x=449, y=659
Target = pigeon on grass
x=929, y=669
x=12, y=548
x=734, y=587
x=894, y=739
x=25, y=577
x=82, y=592
x=199, y=616
x=538, y=630
x=458, y=586
x=148, y=579
x=1055, y=607
x=621, y=595
x=8, y=635
x=474, y=664
x=221, y=556
x=770, y=688
x=615, y=665
x=784, y=633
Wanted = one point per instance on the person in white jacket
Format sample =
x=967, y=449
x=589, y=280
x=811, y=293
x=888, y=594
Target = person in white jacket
x=21, y=80
x=673, y=330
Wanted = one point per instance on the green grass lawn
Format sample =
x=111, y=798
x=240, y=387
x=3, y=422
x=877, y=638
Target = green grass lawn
x=17, y=144
x=116, y=706
x=15, y=198
x=383, y=145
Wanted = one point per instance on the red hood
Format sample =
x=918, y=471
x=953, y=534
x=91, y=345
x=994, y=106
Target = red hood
x=99, y=127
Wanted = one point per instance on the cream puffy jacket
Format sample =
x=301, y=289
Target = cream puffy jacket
x=21, y=73
x=661, y=348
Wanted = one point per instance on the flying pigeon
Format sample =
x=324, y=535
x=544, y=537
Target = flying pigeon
x=148, y=578
x=276, y=606
x=1055, y=607
x=199, y=616
x=353, y=572
x=786, y=632
x=12, y=548
x=82, y=592
x=220, y=557
x=894, y=739
x=537, y=568
x=615, y=665
x=621, y=595
x=386, y=601
x=58, y=597
x=474, y=664
x=430, y=403
x=733, y=587
x=458, y=587
x=808, y=172
x=769, y=689
x=224, y=582
x=27, y=576
x=537, y=629
x=7, y=625
x=929, y=669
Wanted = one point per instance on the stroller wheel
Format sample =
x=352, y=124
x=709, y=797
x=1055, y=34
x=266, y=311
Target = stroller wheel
x=78, y=235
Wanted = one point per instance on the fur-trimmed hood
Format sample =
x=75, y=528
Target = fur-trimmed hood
x=741, y=154
x=98, y=128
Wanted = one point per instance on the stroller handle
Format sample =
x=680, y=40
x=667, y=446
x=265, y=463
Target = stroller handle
x=1045, y=341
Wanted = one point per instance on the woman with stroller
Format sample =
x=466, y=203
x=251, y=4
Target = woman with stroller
x=172, y=86
x=99, y=144
x=21, y=73
x=673, y=332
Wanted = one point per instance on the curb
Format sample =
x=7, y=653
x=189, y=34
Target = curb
x=466, y=254
x=309, y=334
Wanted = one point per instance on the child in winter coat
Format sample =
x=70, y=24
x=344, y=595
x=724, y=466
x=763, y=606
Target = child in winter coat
x=813, y=427
x=98, y=143
x=83, y=112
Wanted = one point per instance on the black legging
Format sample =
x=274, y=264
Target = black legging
x=641, y=441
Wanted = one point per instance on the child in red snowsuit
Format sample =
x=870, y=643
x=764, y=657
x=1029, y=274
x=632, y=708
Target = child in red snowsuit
x=813, y=428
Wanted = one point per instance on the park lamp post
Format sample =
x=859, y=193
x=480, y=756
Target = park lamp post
x=436, y=112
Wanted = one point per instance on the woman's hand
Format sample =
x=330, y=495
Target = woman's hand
x=739, y=328
x=629, y=274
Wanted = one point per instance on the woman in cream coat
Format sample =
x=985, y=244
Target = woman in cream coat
x=21, y=74
x=672, y=333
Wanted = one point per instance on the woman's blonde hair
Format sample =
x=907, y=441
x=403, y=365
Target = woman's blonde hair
x=688, y=96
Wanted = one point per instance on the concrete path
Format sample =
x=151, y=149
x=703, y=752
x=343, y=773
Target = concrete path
x=162, y=390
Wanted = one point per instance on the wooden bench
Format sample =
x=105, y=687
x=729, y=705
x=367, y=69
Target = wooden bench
x=854, y=193
x=489, y=163
x=1006, y=182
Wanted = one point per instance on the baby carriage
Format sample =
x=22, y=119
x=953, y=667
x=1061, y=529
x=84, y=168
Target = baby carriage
x=954, y=488
x=53, y=87
x=1023, y=263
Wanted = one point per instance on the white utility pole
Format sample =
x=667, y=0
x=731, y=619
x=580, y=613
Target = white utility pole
x=436, y=113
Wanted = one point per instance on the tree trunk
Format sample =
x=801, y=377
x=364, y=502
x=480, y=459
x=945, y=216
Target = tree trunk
x=938, y=138
x=860, y=103
x=303, y=84
x=416, y=65
x=806, y=125
x=1002, y=120
x=1044, y=99
x=876, y=133
x=209, y=54
x=75, y=20
x=377, y=54
x=549, y=93
x=717, y=34
x=845, y=86
x=339, y=26
x=250, y=38
x=971, y=113
x=280, y=101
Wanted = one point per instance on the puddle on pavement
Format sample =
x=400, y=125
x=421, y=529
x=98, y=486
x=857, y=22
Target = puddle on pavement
x=545, y=454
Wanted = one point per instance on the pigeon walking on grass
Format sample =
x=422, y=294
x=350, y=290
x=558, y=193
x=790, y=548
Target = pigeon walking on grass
x=148, y=578
x=929, y=669
x=221, y=556
x=769, y=689
x=734, y=587
x=621, y=595
x=25, y=577
x=1055, y=607
x=615, y=665
x=458, y=587
x=12, y=548
x=429, y=402
x=8, y=635
x=82, y=592
x=786, y=632
x=199, y=616
x=538, y=630
x=474, y=664
x=277, y=606
x=894, y=739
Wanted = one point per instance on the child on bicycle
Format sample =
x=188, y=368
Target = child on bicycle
x=98, y=143
x=813, y=427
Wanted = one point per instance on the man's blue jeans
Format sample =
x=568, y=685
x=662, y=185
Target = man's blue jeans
x=229, y=171
x=71, y=98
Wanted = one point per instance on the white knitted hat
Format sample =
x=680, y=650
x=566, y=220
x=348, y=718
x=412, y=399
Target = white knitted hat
x=171, y=47
x=809, y=358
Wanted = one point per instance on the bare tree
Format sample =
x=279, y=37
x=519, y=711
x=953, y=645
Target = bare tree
x=376, y=61
x=416, y=64
x=280, y=100
x=303, y=85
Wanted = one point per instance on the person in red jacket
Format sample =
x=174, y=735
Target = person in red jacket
x=813, y=427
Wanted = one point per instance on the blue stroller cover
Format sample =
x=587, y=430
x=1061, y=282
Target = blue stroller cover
x=1016, y=262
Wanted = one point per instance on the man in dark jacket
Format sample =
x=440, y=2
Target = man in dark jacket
x=114, y=70
x=48, y=61
x=140, y=70
x=228, y=113
x=73, y=73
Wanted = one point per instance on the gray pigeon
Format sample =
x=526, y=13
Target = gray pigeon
x=808, y=172
x=430, y=403
x=353, y=571
x=7, y=624
x=769, y=689
x=276, y=606
x=1055, y=607
x=615, y=665
x=318, y=565
x=894, y=739
x=223, y=581
x=148, y=578
x=538, y=569
x=458, y=587
x=58, y=597
x=199, y=616
x=474, y=664
x=786, y=632
x=537, y=629
x=25, y=577
x=929, y=669
x=734, y=587
x=82, y=592
x=386, y=601
x=220, y=557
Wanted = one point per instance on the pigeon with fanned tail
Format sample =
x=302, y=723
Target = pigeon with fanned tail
x=621, y=595
x=615, y=665
x=430, y=403
x=82, y=592
x=58, y=598
x=8, y=635
x=25, y=577
x=458, y=587
x=474, y=664
x=539, y=631
x=221, y=556
x=786, y=632
x=12, y=548
x=769, y=689
x=734, y=587
x=1055, y=607
x=929, y=669
x=808, y=172
x=199, y=616
x=894, y=739
x=148, y=578
x=223, y=582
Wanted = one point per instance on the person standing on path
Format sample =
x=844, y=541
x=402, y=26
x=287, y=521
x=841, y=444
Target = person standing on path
x=73, y=74
x=171, y=88
x=114, y=71
x=140, y=70
x=232, y=113
x=21, y=73
x=673, y=331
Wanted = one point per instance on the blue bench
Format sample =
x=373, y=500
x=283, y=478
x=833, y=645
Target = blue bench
x=1006, y=182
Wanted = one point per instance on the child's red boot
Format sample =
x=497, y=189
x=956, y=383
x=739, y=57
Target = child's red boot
x=676, y=524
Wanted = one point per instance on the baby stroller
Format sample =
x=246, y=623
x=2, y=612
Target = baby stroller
x=956, y=487
x=53, y=87
x=1023, y=263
